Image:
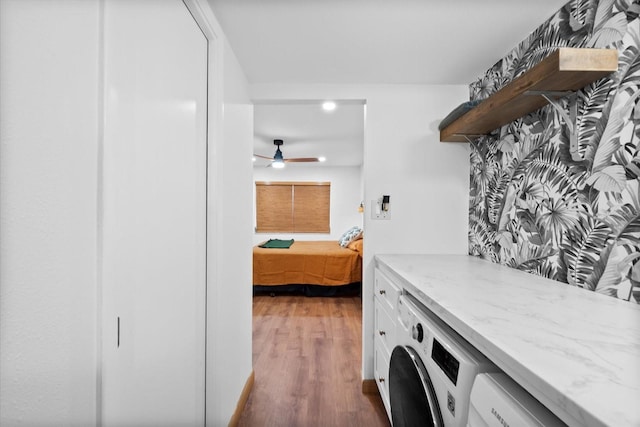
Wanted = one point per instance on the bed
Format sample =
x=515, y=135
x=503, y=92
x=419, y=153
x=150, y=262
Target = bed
x=311, y=267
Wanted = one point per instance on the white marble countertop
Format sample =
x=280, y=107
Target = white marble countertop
x=576, y=351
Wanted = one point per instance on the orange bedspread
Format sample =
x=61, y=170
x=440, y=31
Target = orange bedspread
x=322, y=262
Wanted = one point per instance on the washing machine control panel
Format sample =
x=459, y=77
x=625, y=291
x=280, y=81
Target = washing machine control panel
x=445, y=360
x=417, y=332
x=449, y=362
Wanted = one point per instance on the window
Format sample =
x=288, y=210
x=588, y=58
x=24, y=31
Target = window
x=293, y=207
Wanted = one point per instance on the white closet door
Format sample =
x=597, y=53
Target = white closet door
x=154, y=224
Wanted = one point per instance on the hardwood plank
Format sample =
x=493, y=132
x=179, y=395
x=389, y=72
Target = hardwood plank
x=307, y=359
x=369, y=387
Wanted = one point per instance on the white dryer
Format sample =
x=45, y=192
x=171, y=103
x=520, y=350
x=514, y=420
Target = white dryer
x=498, y=401
x=431, y=371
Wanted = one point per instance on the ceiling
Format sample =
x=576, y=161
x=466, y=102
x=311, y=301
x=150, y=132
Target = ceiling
x=309, y=131
x=367, y=42
x=375, y=41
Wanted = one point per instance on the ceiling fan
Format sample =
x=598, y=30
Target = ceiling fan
x=278, y=160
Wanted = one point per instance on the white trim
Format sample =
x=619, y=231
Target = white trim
x=204, y=17
x=100, y=212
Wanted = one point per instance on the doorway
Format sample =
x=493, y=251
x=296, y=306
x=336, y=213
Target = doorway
x=308, y=131
x=288, y=328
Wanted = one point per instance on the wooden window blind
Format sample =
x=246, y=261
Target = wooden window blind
x=293, y=207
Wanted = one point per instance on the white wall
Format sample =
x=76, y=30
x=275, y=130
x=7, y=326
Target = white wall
x=346, y=195
x=49, y=112
x=428, y=181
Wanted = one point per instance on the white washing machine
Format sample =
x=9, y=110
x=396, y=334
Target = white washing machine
x=498, y=401
x=431, y=371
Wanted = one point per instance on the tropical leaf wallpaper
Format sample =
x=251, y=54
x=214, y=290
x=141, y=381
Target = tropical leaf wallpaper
x=536, y=207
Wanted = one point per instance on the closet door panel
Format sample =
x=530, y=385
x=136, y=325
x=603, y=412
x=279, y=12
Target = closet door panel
x=154, y=215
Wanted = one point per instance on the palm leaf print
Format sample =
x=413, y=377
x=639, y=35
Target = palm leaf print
x=483, y=167
x=625, y=223
x=625, y=219
x=558, y=217
x=500, y=197
x=540, y=44
x=609, y=280
x=596, y=134
x=630, y=232
x=598, y=155
x=605, y=138
x=629, y=155
x=546, y=165
x=532, y=206
x=530, y=230
x=628, y=62
x=627, y=75
x=521, y=243
x=528, y=258
x=605, y=175
x=629, y=81
x=591, y=104
x=630, y=7
x=496, y=197
x=582, y=253
x=609, y=26
x=548, y=269
x=480, y=237
x=575, y=20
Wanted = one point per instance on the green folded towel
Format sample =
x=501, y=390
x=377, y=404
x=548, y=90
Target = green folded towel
x=277, y=244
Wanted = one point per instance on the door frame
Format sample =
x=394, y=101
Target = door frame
x=204, y=18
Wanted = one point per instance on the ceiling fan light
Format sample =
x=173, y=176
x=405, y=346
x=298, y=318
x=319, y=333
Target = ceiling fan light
x=322, y=159
x=278, y=158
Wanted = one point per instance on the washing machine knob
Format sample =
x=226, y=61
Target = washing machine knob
x=417, y=332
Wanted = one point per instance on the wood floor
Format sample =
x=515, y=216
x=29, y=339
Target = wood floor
x=307, y=362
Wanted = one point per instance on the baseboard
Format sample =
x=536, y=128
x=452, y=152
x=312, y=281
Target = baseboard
x=370, y=387
x=242, y=401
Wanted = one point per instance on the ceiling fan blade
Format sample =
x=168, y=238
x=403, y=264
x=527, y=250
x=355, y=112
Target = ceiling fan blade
x=279, y=157
x=302, y=160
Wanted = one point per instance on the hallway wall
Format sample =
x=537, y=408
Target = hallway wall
x=49, y=137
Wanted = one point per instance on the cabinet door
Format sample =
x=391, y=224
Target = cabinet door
x=154, y=215
x=381, y=373
x=386, y=291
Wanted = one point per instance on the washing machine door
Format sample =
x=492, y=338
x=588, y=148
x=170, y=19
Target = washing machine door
x=411, y=394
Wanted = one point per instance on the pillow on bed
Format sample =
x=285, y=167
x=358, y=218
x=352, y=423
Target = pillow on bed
x=350, y=235
x=356, y=245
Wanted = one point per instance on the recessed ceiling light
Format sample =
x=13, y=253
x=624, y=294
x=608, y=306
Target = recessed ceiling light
x=322, y=159
x=329, y=106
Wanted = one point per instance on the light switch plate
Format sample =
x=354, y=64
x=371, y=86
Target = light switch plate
x=377, y=213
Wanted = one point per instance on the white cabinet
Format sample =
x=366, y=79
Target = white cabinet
x=386, y=298
x=154, y=221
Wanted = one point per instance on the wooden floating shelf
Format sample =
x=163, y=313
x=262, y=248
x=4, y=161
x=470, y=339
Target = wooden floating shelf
x=566, y=69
